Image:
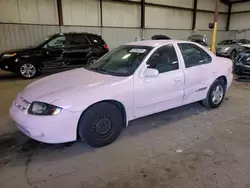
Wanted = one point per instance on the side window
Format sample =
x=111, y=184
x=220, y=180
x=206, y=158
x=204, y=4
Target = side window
x=56, y=42
x=245, y=41
x=164, y=59
x=242, y=41
x=77, y=40
x=95, y=39
x=193, y=55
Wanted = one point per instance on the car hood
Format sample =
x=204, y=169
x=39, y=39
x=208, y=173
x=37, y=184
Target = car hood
x=65, y=84
x=19, y=50
x=219, y=47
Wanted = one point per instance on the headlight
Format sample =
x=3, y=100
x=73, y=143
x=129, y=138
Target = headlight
x=9, y=55
x=43, y=109
x=226, y=49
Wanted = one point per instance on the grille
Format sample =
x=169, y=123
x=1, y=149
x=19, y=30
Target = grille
x=22, y=104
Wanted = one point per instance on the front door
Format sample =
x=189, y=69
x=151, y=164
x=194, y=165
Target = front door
x=155, y=94
x=198, y=72
x=54, y=53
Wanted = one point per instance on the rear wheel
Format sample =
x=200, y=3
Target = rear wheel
x=91, y=60
x=215, y=94
x=101, y=124
x=28, y=70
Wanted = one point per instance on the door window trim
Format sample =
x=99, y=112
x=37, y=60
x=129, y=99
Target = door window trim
x=147, y=65
x=199, y=49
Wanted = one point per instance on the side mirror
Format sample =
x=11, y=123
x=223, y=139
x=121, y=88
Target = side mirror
x=149, y=72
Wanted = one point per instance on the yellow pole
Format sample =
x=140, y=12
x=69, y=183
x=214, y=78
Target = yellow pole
x=216, y=15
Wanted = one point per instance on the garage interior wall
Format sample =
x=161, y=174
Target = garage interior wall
x=240, y=20
x=24, y=22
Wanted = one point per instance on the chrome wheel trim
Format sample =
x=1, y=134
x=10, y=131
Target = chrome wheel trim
x=217, y=94
x=27, y=70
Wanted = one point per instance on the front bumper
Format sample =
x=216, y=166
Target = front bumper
x=48, y=129
x=242, y=69
x=222, y=54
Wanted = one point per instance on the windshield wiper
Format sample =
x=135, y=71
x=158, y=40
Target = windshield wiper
x=98, y=70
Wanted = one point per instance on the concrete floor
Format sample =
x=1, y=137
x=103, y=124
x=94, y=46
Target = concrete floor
x=184, y=147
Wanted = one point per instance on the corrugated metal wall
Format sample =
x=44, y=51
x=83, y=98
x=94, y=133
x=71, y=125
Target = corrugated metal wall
x=20, y=35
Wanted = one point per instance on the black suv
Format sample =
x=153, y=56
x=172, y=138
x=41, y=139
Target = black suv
x=65, y=50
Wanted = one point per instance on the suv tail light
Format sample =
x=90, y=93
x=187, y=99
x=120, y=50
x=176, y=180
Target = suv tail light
x=106, y=47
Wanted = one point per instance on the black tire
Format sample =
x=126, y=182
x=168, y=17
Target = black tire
x=35, y=70
x=91, y=60
x=100, y=125
x=208, y=102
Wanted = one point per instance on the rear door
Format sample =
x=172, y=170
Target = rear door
x=198, y=72
x=78, y=49
x=99, y=46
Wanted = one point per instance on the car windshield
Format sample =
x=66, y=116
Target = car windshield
x=228, y=42
x=122, y=61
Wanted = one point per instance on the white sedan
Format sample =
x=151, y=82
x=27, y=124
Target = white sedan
x=131, y=81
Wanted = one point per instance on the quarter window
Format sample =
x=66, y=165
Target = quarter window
x=194, y=55
x=164, y=59
x=95, y=39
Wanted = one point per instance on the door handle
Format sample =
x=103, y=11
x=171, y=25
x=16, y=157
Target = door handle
x=214, y=71
x=178, y=79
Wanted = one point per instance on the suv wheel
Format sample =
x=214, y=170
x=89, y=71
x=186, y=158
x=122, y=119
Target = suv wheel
x=91, y=60
x=28, y=70
x=100, y=125
x=215, y=95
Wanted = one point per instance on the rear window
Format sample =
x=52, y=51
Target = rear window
x=95, y=39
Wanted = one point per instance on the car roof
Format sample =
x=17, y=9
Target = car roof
x=155, y=43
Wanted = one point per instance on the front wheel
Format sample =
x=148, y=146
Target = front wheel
x=101, y=124
x=28, y=70
x=215, y=94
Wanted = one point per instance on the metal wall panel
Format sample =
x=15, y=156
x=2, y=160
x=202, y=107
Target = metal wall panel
x=18, y=35
x=240, y=21
x=178, y=3
x=168, y=18
x=241, y=7
x=81, y=12
x=29, y=11
x=117, y=36
x=210, y=5
x=121, y=15
x=204, y=18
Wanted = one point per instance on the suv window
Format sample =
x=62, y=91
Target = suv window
x=77, y=40
x=164, y=59
x=95, y=39
x=56, y=42
x=244, y=41
x=194, y=55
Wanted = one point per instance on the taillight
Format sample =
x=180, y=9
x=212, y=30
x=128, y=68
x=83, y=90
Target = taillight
x=106, y=47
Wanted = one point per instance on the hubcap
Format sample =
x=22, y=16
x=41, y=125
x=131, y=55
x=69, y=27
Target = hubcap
x=28, y=70
x=217, y=94
x=103, y=126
